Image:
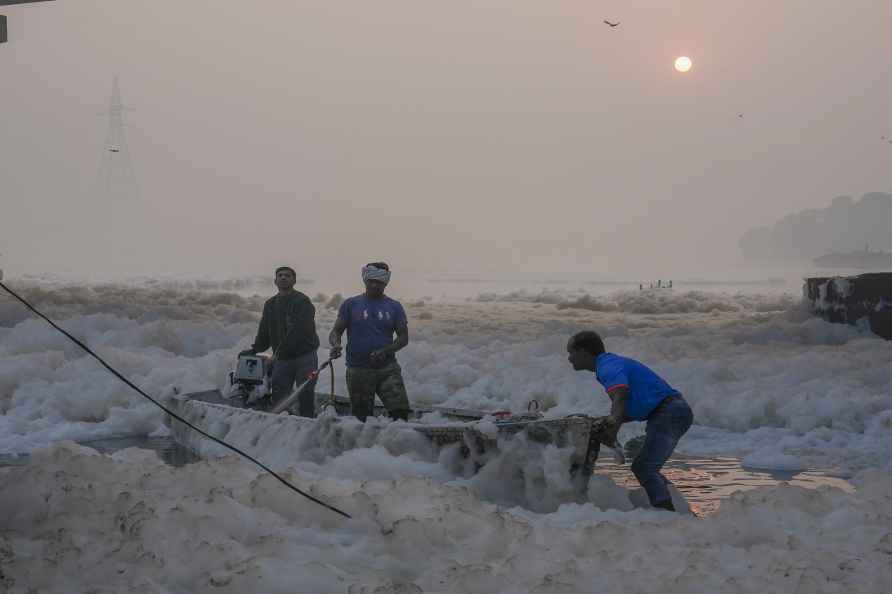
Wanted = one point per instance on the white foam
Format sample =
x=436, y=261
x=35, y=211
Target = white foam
x=77, y=521
x=757, y=369
x=767, y=382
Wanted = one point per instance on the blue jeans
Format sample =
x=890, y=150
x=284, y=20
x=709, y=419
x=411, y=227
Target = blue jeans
x=665, y=426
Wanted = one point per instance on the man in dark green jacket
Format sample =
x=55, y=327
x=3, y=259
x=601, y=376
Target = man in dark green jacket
x=288, y=326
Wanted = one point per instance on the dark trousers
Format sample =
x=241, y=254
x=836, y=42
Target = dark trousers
x=665, y=426
x=286, y=372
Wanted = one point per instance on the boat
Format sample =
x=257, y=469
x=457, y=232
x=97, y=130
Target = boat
x=475, y=436
x=861, y=299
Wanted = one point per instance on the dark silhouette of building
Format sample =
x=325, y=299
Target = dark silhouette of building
x=3, y=31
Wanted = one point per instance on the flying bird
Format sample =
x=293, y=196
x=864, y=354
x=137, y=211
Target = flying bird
x=606, y=22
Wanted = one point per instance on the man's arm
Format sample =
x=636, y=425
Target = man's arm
x=334, y=337
x=261, y=342
x=402, y=339
x=619, y=397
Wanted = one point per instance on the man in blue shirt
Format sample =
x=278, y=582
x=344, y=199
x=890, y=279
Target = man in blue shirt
x=637, y=394
x=371, y=320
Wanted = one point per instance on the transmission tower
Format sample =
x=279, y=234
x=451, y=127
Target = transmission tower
x=116, y=180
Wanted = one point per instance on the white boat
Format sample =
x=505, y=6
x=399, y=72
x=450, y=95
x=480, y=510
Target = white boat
x=477, y=435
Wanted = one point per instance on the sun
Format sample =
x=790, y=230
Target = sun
x=683, y=63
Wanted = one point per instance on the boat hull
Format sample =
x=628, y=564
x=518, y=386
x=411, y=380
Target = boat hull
x=853, y=298
x=258, y=432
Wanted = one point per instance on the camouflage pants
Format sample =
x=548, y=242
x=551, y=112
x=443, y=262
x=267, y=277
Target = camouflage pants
x=363, y=383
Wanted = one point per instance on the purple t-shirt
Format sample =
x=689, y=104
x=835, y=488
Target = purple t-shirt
x=371, y=325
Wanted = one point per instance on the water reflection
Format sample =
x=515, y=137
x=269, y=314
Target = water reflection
x=705, y=482
x=165, y=447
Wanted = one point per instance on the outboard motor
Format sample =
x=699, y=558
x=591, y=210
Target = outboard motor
x=250, y=380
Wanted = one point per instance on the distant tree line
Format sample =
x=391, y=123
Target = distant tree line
x=844, y=226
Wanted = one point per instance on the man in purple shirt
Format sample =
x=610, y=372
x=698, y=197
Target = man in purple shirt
x=371, y=320
x=637, y=394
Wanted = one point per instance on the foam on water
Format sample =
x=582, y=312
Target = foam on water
x=768, y=383
x=765, y=379
x=75, y=520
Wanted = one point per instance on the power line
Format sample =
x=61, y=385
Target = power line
x=167, y=410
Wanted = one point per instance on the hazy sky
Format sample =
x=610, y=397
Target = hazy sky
x=502, y=137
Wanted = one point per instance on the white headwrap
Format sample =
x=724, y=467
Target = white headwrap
x=375, y=274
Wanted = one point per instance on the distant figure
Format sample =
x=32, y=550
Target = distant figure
x=641, y=287
x=288, y=326
x=670, y=284
x=371, y=320
x=637, y=394
x=611, y=25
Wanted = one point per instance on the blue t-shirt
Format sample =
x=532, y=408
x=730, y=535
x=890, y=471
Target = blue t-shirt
x=371, y=325
x=646, y=388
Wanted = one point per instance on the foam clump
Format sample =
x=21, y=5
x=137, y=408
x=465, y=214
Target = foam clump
x=109, y=525
x=769, y=459
x=647, y=302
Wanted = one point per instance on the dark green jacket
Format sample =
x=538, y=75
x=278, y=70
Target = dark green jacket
x=288, y=326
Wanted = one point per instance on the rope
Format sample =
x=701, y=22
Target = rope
x=167, y=410
x=331, y=394
x=330, y=397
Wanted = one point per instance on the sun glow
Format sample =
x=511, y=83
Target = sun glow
x=683, y=63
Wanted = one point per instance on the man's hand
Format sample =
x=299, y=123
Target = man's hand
x=607, y=427
x=377, y=356
x=334, y=341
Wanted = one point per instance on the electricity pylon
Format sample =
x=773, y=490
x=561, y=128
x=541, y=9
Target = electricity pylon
x=116, y=180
